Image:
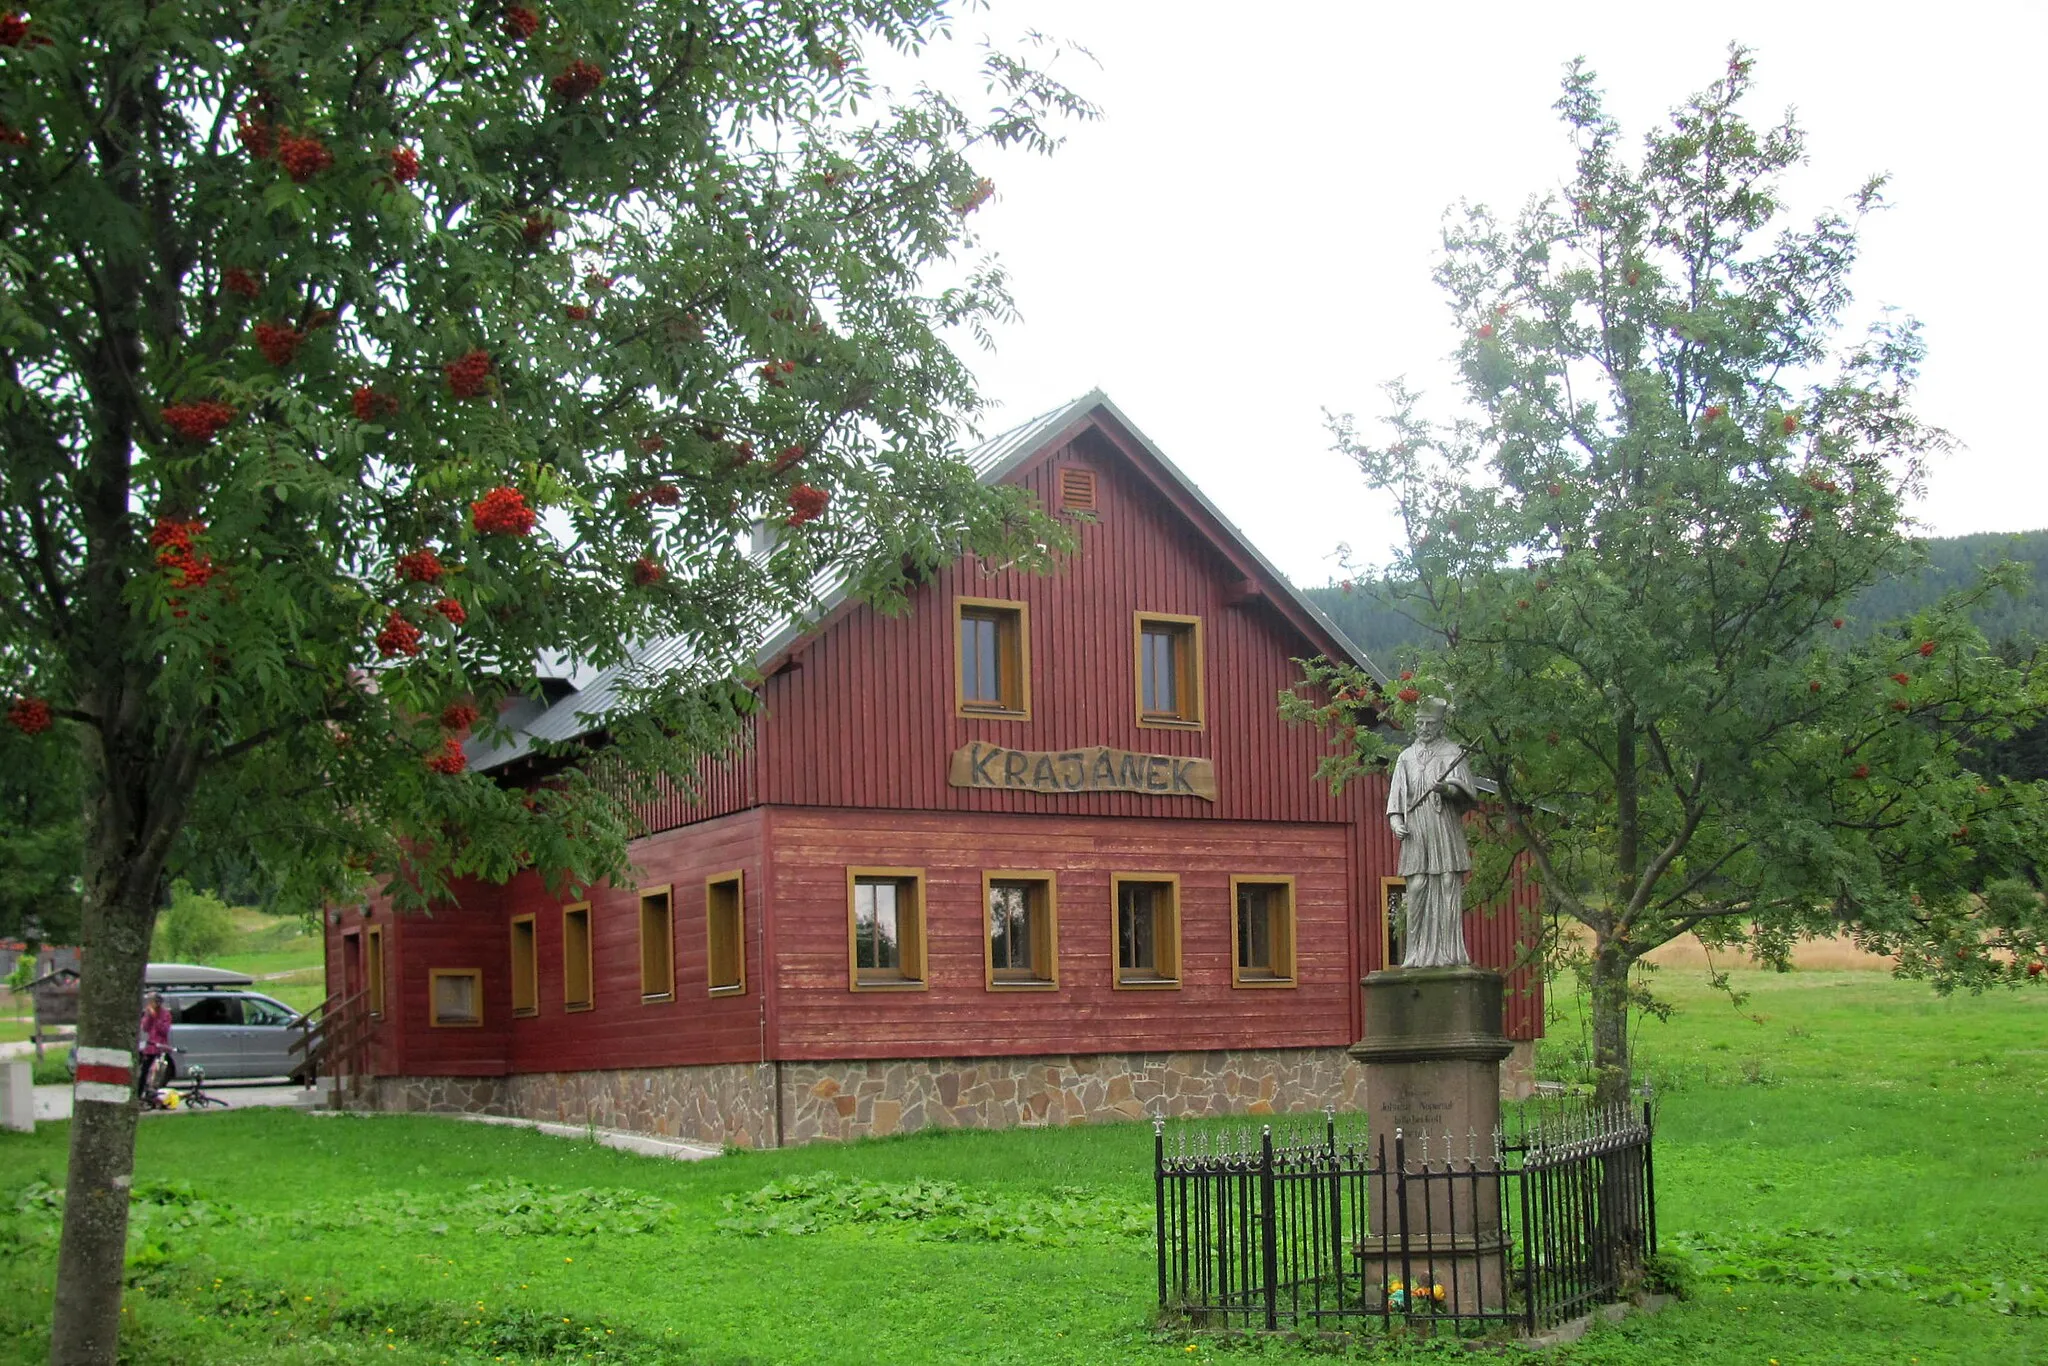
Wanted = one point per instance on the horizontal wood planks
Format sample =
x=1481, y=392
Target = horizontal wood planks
x=959, y=1016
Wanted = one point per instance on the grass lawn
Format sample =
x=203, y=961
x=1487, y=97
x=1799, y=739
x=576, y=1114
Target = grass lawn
x=1857, y=1170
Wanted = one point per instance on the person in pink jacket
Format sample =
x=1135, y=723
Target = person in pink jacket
x=156, y=1039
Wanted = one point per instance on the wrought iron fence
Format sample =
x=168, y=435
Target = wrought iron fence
x=1320, y=1229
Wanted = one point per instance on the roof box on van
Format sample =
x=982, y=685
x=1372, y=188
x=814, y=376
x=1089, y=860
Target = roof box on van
x=192, y=975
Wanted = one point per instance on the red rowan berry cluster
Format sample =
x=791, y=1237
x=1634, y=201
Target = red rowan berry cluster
x=1927, y=649
x=469, y=377
x=1408, y=695
x=399, y=636
x=647, y=572
x=420, y=566
x=579, y=80
x=458, y=716
x=665, y=495
x=1713, y=413
x=13, y=137
x=278, y=342
x=1485, y=332
x=371, y=405
x=1902, y=679
x=173, y=541
x=742, y=453
x=451, y=760
x=1790, y=424
x=652, y=443
x=302, y=156
x=776, y=372
x=405, y=164
x=537, y=228
x=255, y=134
x=983, y=189
x=239, y=281
x=29, y=715
x=13, y=28
x=198, y=422
x=1820, y=485
x=576, y=313
x=452, y=609
x=788, y=456
x=806, y=504
x=597, y=284
x=502, y=511
x=521, y=23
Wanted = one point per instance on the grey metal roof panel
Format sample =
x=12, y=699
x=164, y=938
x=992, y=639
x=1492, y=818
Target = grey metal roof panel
x=994, y=459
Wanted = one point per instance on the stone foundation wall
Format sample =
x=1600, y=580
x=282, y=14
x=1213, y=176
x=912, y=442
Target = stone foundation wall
x=719, y=1104
x=737, y=1103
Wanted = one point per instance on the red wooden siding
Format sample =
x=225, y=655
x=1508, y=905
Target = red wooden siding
x=725, y=784
x=866, y=720
x=958, y=1016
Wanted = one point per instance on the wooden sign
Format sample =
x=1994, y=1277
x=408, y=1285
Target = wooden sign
x=1097, y=768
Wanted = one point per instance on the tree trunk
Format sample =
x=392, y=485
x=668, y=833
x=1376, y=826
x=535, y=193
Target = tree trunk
x=1609, y=991
x=126, y=845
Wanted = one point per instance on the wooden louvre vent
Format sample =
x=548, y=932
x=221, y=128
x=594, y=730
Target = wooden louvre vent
x=1077, y=489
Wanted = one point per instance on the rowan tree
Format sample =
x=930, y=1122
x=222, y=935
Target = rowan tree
x=354, y=355
x=1633, y=560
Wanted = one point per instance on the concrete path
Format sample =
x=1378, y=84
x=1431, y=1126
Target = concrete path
x=54, y=1102
x=646, y=1145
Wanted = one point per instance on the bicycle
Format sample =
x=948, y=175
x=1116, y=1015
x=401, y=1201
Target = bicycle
x=197, y=1098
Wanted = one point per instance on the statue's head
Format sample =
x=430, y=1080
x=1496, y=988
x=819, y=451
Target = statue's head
x=1429, y=718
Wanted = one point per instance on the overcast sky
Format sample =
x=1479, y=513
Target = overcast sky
x=1247, y=236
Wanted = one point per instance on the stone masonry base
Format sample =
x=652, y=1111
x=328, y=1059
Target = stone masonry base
x=762, y=1105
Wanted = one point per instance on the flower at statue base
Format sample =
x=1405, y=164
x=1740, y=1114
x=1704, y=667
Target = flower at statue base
x=399, y=636
x=1397, y=1295
x=451, y=760
x=502, y=512
x=1436, y=1292
x=29, y=715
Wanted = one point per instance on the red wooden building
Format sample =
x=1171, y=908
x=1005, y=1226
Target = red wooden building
x=1039, y=851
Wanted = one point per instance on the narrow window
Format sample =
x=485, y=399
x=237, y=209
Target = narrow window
x=456, y=997
x=657, y=947
x=576, y=973
x=1169, y=670
x=525, y=968
x=723, y=924
x=1393, y=921
x=1147, y=930
x=1023, y=942
x=373, y=968
x=994, y=659
x=1264, y=931
x=886, y=924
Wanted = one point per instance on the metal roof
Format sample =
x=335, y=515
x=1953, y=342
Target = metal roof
x=583, y=711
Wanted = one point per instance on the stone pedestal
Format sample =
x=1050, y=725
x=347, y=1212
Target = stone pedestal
x=1432, y=1052
x=17, y=1097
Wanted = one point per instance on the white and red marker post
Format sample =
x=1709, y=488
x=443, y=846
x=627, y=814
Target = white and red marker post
x=106, y=1075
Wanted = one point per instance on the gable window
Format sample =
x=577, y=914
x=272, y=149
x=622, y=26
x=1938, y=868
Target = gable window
x=657, y=947
x=1263, y=931
x=373, y=968
x=885, y=926
x=456, y=997
x=576, y=973
x=1023, y=935
x=1169, y=669
x=723, y=926
x=1147, y=929
x=525, y=968
x=994, y=658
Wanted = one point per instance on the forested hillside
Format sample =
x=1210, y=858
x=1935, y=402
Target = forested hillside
x=1383, y=631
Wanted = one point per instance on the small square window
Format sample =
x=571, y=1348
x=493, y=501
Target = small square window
x=993, y=676
x=525, y=968
x=724, y=927
x=577, y=977
x=1023, y=931
x=456, y=997
x=1262, y=931
x=1147, y=929
x=885, y=924
x=1168, y=670
x=657, y=946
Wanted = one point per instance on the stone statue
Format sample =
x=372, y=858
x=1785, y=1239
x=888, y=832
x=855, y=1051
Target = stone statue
x=1426, y=805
